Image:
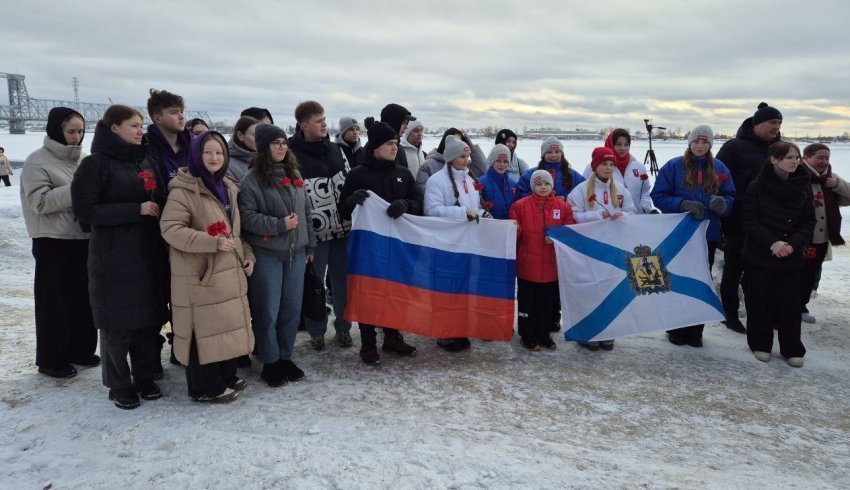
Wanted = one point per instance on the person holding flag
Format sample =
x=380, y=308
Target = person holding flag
x=699, y=184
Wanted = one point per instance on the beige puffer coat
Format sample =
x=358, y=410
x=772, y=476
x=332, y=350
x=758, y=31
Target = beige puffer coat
x=208, y=288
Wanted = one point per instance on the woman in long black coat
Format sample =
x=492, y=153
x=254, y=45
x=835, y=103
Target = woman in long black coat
x=779, y=219
x=118, y=191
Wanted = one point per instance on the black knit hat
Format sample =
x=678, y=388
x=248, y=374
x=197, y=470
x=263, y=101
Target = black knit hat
x=264, y=134
x=379, y=134
x=394, y=115
x=765, y=113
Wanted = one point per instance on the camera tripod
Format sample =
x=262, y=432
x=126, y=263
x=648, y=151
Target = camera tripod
x=649, y=160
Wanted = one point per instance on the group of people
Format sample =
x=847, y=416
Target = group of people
x=175, y=224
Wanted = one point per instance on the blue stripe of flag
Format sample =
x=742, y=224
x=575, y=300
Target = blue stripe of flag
x=382, y=257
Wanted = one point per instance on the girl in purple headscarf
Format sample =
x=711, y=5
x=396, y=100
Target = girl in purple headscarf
x=209, y=269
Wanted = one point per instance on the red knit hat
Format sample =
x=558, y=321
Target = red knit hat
x=601, y=154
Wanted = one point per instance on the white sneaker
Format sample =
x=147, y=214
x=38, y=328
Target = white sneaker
x=761, y=355
x=795, y=361
x=807, y=317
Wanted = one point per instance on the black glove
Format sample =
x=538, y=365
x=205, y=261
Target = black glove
x=717, y=204
x=654, y=211
x=358, y=197
x=397, y=208
x=696, y=208
x=471, y=215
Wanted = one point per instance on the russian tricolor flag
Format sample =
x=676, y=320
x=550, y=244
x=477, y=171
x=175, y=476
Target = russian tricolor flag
x=431, y=276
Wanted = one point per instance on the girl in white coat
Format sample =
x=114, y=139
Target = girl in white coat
x=598, y=198
x=453, y=193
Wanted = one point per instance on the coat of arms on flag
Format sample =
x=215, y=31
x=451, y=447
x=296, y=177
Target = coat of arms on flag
x=634, y=275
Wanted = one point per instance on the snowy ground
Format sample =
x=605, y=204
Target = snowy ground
x=648, y=414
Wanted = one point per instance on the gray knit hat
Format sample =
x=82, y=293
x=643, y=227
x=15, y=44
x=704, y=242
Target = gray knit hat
x=551, y=143
x=543, y=175
x=264, y=134
x=702, y=131
x=455, y=148
x=498, y=151
x=346, y=123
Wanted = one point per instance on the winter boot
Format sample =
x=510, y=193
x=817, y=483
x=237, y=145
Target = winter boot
x=124, y=398
x=394, y=342
x=343, y=339
x=369, y=355
x=454, y=344
x=273, y=374
x=147, y=389
x=529, y=344
x=67, y=371
x=549, y=344
x=591, y=346
x=291, y=372
x=236, y=383
x=87, y=361
x=227, y=396
x=606, y=345
x=317, y=342
x=676, y=339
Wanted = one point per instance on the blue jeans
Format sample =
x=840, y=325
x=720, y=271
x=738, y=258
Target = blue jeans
x=332, y=254
x=275, y=294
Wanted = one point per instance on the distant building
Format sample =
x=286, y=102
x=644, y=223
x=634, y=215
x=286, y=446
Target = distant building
x=562, y=134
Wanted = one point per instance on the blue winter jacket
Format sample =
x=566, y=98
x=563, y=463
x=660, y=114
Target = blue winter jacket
x=523, y=187
x=669, y=191
x=500, y=190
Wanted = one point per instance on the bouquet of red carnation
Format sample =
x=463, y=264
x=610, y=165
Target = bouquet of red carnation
x=148, y=181
x=219, y=228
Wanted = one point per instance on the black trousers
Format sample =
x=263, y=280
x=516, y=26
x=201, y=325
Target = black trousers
x=208, y=379
x=537, y=305
x=64, y=328
x=369, y=334
x=811, y=273
x=733, y=275
x=695, y=331
x=115, y=345
x=773, y=301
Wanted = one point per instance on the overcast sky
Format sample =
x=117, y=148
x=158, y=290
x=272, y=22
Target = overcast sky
x=589, y=64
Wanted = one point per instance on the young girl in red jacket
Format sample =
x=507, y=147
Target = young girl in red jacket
x=537, y=274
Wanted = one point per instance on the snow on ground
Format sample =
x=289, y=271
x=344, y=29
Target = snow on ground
x=648, y=414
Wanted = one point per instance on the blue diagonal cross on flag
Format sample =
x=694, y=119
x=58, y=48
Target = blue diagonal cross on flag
x=634, y=275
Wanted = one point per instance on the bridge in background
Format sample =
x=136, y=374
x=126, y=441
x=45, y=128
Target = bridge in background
x=23, y=108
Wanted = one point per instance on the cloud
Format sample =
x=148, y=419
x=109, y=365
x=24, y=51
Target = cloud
x=545, y=63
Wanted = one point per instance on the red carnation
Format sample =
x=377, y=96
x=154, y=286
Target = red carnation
x=285, y=181
x=298, y=183
x=478, y=186
x=811, y=253
x=644, y=177
x=722, y=177
x=216, y=229
x=591, y=198
x=488, y=204
x=265, y=238
x=145, y=175
x=150, y=185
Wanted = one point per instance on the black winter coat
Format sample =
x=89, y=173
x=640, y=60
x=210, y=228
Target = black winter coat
x=386, y=179
x=777, y=210
x=128, y=260
x=744, y=156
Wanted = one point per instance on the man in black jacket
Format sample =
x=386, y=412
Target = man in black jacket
x=744, y=155
x=380, y=174
x=324, y=168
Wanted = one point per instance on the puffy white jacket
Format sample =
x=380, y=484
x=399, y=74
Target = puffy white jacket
x=636, y=180
x=440, y=196
x=584, y=211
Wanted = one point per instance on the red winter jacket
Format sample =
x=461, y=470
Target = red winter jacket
x=535, y=259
